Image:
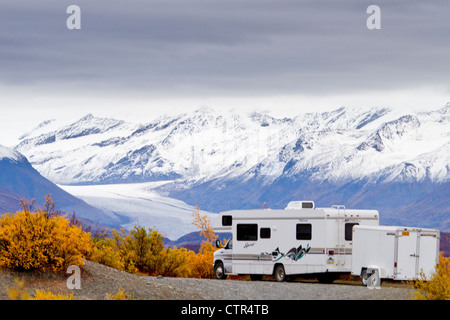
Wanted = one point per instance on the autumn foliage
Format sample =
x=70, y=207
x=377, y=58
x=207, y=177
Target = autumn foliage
x=45, y=240
x=139, y=251
x=143, y=251
x=202, y=264
x=41, y=240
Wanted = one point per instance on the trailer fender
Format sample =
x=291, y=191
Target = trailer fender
x=374, y=280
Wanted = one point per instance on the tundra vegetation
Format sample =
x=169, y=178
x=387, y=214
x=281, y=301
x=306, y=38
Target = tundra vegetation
x=45, y=240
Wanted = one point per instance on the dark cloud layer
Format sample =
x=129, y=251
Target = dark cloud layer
x=246, y=47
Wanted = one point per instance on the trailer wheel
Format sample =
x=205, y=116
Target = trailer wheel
x=219, y=271
x=280, y=274
x=364, y=277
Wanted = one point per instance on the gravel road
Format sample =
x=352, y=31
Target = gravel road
x=97, y=280
x=272, y=290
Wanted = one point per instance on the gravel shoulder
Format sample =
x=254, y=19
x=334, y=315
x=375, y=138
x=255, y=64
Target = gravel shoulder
x=97, y=280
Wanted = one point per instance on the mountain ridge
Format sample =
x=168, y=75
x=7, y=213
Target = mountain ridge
x=222, y=159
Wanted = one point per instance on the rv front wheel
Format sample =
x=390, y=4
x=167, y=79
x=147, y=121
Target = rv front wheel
x=280, y=274
x=219, y=271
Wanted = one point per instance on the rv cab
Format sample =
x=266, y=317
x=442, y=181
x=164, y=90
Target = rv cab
x=223, y=266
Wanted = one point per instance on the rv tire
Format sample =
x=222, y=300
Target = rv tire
x=219, y=271
x=280, y=273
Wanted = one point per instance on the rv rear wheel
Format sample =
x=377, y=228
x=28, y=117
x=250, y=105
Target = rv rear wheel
x=280, y=274
x=219, y=271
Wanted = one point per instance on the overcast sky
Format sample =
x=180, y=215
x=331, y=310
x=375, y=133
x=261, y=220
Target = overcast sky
x=146, y=57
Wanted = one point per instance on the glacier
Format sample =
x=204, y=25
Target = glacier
x=141, y=206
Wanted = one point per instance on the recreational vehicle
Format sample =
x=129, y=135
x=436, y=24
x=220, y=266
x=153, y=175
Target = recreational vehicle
x=392, y=252
x=297, y=240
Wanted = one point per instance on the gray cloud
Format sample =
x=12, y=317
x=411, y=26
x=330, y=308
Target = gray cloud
x=226, y=47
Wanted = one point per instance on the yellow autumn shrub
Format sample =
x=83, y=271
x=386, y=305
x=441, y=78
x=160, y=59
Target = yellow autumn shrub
x=105, y=250
x=174, y=262
x=142, y=251
x=120, y=295
x=20, y=292
x=39, y=241
x=202, y=264
x=48, y=295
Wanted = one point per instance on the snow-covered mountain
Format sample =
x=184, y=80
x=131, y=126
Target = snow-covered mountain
x=338, y=146
x=224, y=159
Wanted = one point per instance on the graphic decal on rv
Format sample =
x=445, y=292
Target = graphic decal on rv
x=293, y=254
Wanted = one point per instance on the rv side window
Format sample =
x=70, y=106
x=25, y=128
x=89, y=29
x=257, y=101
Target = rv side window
x=247, y=232
x=307, y=205
x=264, y=233
x=229, y=244
x=227, y=220
x=349, y=231
x=304, y=231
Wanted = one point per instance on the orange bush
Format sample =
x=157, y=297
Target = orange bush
x=40, y=241
x=202, y=264
x=48, y=295
x=120, y=295
x=106, y=250
x=142, y=250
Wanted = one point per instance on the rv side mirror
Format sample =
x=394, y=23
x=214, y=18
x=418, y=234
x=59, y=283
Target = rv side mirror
x=218, y=244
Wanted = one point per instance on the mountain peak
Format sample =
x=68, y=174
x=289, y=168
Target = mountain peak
x=89, y=116
x=205, y=110
x=10, y=154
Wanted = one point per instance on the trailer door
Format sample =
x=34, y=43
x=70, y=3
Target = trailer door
x=428, y=253
x=407, y=255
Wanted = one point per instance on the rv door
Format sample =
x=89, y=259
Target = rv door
x=228, y=256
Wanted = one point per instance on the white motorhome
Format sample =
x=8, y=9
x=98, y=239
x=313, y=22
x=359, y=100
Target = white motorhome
x=393, y=252
x=300, y=239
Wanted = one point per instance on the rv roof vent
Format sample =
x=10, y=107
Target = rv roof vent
x=300, y=205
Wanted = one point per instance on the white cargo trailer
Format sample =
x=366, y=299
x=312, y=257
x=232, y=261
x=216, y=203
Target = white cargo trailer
x=398, y=253
x=300, y=239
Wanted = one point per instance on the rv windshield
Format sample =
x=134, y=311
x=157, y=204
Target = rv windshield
x=229, y=244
